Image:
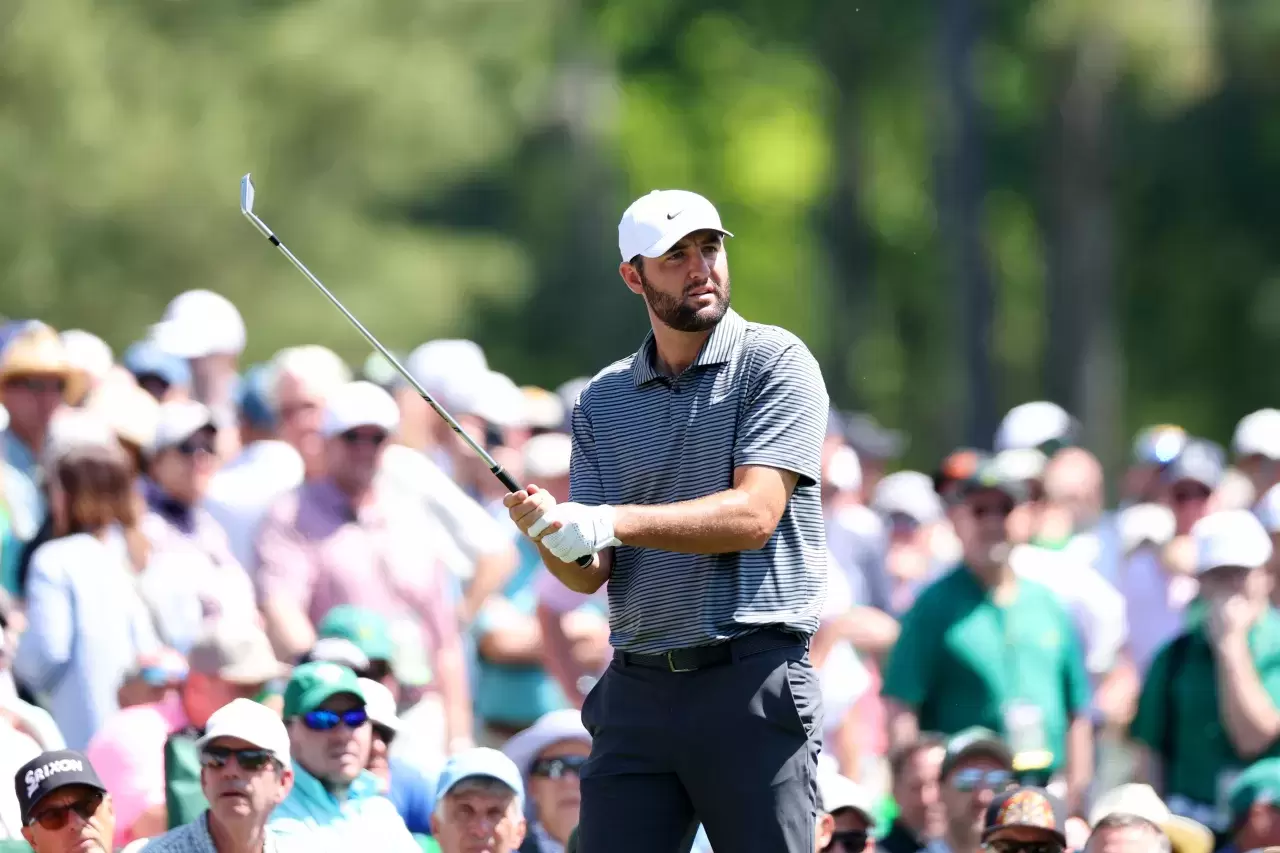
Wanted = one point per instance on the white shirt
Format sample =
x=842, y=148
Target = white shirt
x=243, y=490
x=16, y=749
x=1154, y=601
x=461, y=529
x=1097, y=608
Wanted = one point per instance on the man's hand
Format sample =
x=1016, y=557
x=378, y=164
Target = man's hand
x=1229, y=621
x=527, y=507
x=576, y=530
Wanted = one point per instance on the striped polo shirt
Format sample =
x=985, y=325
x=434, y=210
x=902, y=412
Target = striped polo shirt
x=754, y=396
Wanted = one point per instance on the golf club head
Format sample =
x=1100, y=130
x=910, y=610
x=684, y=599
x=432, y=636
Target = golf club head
x=246, y=195
x=246, y=207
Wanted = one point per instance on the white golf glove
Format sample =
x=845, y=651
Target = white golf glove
x=586, y=530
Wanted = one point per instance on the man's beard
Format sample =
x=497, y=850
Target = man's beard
x=673, y=311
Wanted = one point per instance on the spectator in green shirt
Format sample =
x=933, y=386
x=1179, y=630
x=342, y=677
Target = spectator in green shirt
x=1208, y=708
x=983, y=647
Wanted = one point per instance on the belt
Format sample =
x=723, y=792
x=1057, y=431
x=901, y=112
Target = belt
x=701, y=657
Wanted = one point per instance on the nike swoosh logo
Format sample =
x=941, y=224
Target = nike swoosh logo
x=674, y=215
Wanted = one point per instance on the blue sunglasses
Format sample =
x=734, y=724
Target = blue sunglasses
x=323, y=721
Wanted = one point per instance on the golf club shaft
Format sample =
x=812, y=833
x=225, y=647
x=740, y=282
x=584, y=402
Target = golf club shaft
x=494, y=468
x=498, y=470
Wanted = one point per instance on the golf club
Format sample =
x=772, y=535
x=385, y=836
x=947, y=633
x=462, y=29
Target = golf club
x=246, y=207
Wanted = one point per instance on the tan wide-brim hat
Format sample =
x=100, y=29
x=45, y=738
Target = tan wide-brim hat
x=1185, y=835
x=37, y=350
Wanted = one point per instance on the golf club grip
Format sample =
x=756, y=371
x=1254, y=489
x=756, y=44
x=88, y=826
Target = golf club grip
x=512, y=486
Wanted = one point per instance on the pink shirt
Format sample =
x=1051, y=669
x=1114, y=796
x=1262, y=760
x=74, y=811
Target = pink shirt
x=313, y=550
x=128, y=753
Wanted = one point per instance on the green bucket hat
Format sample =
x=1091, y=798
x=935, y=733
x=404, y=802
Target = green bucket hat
x=312, y=684
x=1259, y=783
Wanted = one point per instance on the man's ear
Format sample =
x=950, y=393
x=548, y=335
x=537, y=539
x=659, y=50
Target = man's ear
x=826, y=829
x=631, y=277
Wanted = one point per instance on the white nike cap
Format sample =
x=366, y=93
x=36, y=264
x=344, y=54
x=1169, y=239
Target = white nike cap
x=657, y=221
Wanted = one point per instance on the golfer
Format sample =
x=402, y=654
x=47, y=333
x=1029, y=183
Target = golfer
x=695, y=492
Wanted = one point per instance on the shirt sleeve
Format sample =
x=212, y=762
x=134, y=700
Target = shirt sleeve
x=1076, y=689
x=585, y=483
x=129, y=760
x=1148, y=726
x=785, y=422
x=914, y=657
x=285, y=567
x=45, y=647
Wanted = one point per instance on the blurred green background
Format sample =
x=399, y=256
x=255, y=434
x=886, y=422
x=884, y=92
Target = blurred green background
x=958, y=204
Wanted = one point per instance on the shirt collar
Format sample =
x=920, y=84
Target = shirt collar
x=720, y=347
x=331, y=499
x=170, y=509
x=310, y=788
x=19, y=455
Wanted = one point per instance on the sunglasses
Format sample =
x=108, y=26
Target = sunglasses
x=971, y=779
x=56, y=818
x=556, y=768
x=850, y=840
x=1023, y=847
x=323, y=721
x=192, y=446
x=352, y=438
x=248, y=759
x=1193, y=494
x=38, y=384
x=989, y=510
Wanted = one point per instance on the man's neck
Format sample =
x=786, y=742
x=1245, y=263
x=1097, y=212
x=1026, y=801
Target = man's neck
x=996, y=578
x=964, y=842
x=247, y=837
x=674, y=351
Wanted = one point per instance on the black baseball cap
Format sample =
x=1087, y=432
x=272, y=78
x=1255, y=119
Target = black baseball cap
x=972, y=741
x=1028, y=808
x=48, y=772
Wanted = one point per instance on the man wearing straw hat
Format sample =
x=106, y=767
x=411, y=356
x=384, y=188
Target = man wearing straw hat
x=36, y=378
x=1134, y=809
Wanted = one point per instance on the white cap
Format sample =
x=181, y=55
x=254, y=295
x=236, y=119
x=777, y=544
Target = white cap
x=358, y=404
x=379, y=704
x=547, y=455
x=339, y=650
x=543, y=409
x=88, y=352
x=908, y=493
x=1258, y=434
x=1268, y=509
x=76, y=429
x=446, y=367
x=494, y=398
x=840, y=792
x=199, y=323
x=1032, y=424
x=179, y=420
x=844, y=470
x=1021, y=464
x=1230, y=538
x=1145, y=523
x=249, y=721
x=657, y=221
x=129, y=410
x=551, y=727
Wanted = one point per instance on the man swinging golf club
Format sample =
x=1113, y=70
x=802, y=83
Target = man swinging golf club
x=695, y=494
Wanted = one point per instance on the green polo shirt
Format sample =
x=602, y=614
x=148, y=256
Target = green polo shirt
x=962, y=660
x=1199, y=761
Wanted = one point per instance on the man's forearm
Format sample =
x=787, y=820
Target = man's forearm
x=722, y=523
x=456, y=693
x=583, y=579
x=1249, y=716
x=1079, y=761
